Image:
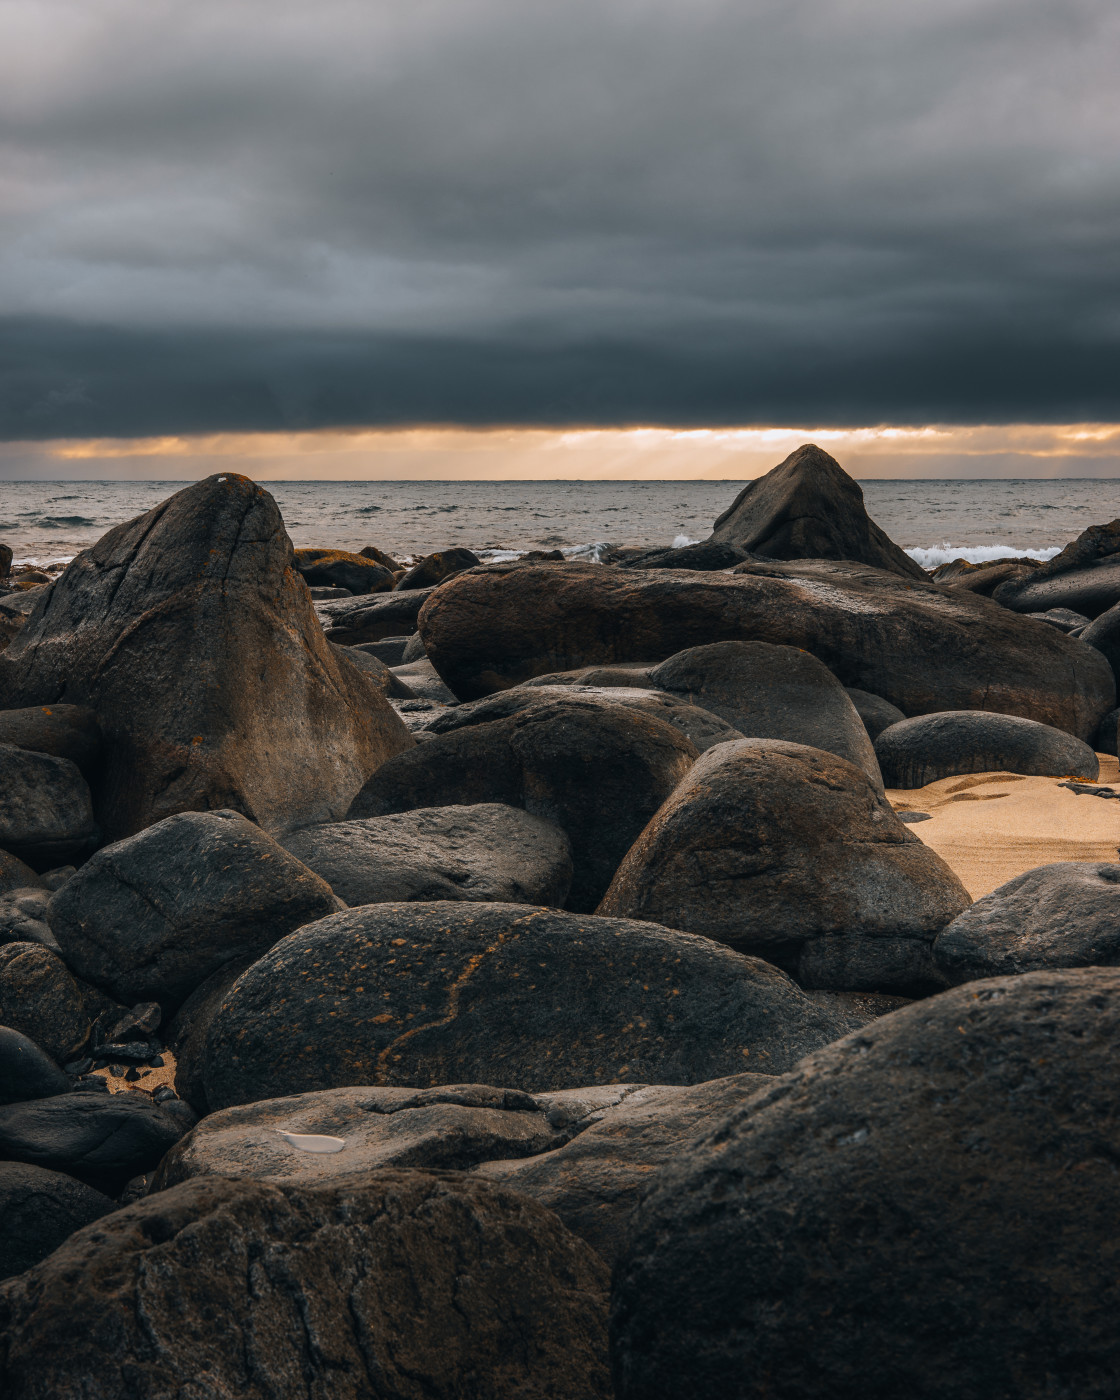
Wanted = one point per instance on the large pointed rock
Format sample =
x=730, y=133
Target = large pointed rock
x=193, y=638
x=921, y=646
x=808, y=507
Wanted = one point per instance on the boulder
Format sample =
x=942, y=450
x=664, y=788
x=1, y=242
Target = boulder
x=38, y=1211
x=186, y=1032
x=15, y=874
x=1062, y=618
x=984, y=578
x=336, y=568
x=485, y=852
x=66, y=731
x=699, y=726
x=102, y=1139
x=1106, y=739
x=597, y=770
x=706, y=555
x=413, y=650
x=594, y=1182
x=1084, y=577
x=40, y=998
x=634, y=674
x=46, y=816
x=5, y=561
x=452, y=1127
x=1061, y=915
x=793, y=855
x=407, y=1284
x=13, y=619
x=24, y=915
x=923, y=647
x=875, y=712
x=422, y=681
x=390, y=650
x=926, y=1208
x=26, y=1071
x=193, y=638
x=921, y=750
x=424, y=994
x=434, y=568
x=771, y=692
x=152, y=916
x=375, y=671
x=1103, y=633
x=808, y=507
x=352, y=621
x=371, y=551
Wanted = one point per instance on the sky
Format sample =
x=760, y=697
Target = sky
x=360, y=237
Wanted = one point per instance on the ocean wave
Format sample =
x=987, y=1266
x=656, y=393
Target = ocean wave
x=683, y=541
x=933, y=555
x=60, y=522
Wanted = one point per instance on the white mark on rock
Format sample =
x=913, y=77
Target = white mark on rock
x=312, y=1142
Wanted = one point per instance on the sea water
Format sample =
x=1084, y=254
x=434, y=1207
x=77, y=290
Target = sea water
x=48, y=521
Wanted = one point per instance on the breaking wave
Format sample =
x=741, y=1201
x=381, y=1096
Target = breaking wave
x=945, y=553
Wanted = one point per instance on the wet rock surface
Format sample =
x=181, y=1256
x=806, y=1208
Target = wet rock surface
x=151, y=917
x=413, y=1283
x=417, y=995
x=852, y=1229
x=791, y=854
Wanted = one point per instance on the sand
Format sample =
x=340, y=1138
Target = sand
x=149, y=1081
x=990, y=827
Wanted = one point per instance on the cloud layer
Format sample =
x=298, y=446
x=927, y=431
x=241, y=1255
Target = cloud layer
x=228, y=217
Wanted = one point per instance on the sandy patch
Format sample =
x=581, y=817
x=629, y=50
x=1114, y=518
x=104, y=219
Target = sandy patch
x=149, y=1081
x=990, y=827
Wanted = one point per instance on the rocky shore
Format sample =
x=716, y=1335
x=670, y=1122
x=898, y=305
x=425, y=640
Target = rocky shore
x=438, y=980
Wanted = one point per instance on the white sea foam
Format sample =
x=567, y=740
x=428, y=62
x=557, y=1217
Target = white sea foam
x=682, y=541
x=976, y=554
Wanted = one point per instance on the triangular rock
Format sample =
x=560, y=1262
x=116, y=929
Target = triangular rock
x=808, y=507
x=194, y=639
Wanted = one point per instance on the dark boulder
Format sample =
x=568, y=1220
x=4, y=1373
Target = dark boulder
x=24, y=915
x=921, y=750
x=335, y=568
x=185, y=1034
x=46, y=813
x=597, y=769
x=875, y=712
x=425, y=994
x=701, y=727
x=434, y=568
x=352, y=621
x=26, y=1071
x=594, y=1182
x=1106, y=738
x=452, y=1127
x=193, y=638
x=808, y=507
x=66, y=731
x=791, y=854
x=1062, y=618
x=1084, y=577
x=408, y=1284
x=39, y=997
x=633, y=674
x=390, y=650
x=371, y=551
x=376, y=672
x=413, y=650
x=923, y=647
x=484, y=852
x=984, y=579
x=5, y=561
x=13, y=618
x=1103, y=633
x=422, y=681
x=926, y=1208
x=38, y=1211
x=102, y=1139
x=16, y=874
x=771, y=692
x=1061, y=915
x=152, y=916
x=706, y=556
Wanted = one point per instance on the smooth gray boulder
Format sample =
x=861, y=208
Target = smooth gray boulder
x=413, y=995
x=484, y=852
x=594, y=1181
x=1084, y=577
x=771, y=692
x=46, y=811
x=26, y=1070
x=24, y=915
x=39, y=1209
x=1064, y=619
x=423, y=681
x=1061, y=915
x=808, y=507
x=597, y=769
x=875, y=712
x=921, y=750
x=66, y=731
x=150, y=917
x=355, y=620
x=16, y=874
x=701, y=727
x=925, y=1209
x=39, y=997
x=413, y=1285
x=793, y=855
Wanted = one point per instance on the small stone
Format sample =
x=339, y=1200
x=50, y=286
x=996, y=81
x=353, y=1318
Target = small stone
x=156, y=1062
x=117, y=1071
x=79, y=1067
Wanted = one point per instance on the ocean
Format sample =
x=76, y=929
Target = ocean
x=45, y=522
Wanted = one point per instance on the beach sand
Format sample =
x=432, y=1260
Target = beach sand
x=990, y=827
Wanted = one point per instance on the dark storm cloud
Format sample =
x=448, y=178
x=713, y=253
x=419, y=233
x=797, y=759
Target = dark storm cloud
x=225, y=216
